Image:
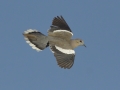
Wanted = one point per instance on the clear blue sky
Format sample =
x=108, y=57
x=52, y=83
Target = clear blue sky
x=96, y=67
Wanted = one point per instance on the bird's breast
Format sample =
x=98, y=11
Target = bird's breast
x=60, y=42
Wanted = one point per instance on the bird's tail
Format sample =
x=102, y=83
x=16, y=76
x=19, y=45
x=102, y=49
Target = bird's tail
x=36, y=39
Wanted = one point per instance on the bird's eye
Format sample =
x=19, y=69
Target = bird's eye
x=80, y=41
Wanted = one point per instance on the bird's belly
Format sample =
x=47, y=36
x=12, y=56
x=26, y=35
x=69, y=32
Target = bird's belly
x=59, y=42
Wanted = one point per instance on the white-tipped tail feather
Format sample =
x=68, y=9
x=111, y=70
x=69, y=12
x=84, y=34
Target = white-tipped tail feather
x=33, y=38
x=32, y=45
x=30, y=30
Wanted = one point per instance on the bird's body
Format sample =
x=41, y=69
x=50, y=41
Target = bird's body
x=59, y=40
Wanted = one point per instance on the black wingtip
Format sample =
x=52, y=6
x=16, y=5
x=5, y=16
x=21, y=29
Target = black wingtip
x=60, y=22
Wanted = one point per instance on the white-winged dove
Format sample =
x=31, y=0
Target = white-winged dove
x=59, y=40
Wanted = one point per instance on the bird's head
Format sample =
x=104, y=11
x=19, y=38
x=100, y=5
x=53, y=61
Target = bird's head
x=80, y=42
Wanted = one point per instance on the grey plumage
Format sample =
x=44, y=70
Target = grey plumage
x=59, y=40
x=63, y=60
x=37, y=38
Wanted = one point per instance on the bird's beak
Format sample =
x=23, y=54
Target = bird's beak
x=84, y=45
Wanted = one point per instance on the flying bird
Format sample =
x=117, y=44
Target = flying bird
x=58, y=39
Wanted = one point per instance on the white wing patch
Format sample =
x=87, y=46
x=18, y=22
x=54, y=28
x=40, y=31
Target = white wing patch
x=63, y=31
x=66, y=51
x=29, y=31
x=27, y=40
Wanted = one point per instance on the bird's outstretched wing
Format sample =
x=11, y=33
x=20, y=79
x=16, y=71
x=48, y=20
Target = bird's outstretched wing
x=60, y=28
x=64, y=57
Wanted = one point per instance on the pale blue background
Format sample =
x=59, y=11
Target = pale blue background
x=96, y=67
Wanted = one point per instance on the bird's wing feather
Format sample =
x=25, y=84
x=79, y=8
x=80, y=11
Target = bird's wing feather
x=65, y=58
x=60, y=28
